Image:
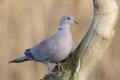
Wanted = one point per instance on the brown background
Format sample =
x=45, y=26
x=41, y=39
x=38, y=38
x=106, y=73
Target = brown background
x=24, y=23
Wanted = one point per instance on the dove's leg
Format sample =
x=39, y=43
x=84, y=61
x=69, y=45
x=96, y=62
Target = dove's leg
x=49, y=69
x=59, y=65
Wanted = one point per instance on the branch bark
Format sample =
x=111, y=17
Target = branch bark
x=92, y=47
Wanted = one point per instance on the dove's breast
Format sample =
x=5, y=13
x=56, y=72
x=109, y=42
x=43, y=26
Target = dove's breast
x=64, y=43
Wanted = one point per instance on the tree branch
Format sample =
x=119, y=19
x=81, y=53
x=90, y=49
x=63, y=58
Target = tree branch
x=92, y=47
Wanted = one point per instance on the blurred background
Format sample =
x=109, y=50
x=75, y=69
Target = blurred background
x=24, y=23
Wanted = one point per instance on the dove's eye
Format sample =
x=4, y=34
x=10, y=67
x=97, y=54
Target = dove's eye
x=68, y=18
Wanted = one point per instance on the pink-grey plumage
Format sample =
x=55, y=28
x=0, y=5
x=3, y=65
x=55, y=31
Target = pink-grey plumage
x=53, y=49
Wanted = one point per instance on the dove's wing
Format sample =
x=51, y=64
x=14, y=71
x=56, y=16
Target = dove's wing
x=45, y=50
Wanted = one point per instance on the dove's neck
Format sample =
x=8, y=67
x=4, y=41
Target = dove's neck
x=64, y=27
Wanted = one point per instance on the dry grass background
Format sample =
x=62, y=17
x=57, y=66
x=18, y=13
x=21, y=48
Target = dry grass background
x=24, y=23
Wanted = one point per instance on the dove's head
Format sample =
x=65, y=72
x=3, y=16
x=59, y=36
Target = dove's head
x=67, y=20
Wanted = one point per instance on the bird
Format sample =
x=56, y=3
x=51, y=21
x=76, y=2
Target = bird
x=54, y=49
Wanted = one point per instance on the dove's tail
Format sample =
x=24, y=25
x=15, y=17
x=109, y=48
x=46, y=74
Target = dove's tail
x=18, y=60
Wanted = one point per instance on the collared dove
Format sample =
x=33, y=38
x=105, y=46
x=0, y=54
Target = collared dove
x=53, y=49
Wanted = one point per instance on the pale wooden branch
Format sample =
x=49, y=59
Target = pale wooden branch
x=96, y=40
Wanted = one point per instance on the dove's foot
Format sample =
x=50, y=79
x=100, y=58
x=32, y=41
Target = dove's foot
x=51, y=74
x=56, y=71
x=59, y=66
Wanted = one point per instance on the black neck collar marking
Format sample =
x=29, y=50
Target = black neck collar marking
x=60, y=28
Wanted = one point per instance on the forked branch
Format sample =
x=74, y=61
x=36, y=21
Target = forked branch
x=92, y=47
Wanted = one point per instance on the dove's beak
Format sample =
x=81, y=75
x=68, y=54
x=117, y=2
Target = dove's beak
x=76, y=22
